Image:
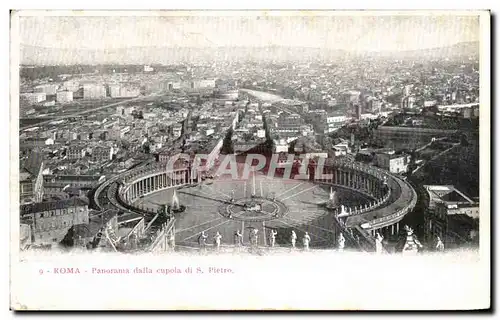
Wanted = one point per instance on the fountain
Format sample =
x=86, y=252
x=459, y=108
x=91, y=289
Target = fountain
x=176, y=207
x=332, y=200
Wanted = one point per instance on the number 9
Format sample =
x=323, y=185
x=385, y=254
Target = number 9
x=40, y=271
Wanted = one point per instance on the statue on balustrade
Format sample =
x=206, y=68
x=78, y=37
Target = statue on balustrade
x=272, y=238
x=343, y=211
x=238, y=238
x=439, y=245
x=217, y=240
x=340, y=242
x=409, y=244
x=293, y=238
x=202, y=240
x=379, y=248
x=253, y=236
x=305, y=241
x=171, y=240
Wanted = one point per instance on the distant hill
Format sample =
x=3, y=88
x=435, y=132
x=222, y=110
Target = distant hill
x=459, y=50
x=31, y=55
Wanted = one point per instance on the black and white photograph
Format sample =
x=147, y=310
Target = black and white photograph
x=226, y=144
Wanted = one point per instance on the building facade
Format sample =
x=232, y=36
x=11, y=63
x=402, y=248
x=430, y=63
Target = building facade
x=64, y=96
x=35, y=97
x=451, y=216
x=76, y=152
x=48, y=89
x=94, y=91
x=50, y=221
x=393, y=163
x=31, y=179
x=102, y=153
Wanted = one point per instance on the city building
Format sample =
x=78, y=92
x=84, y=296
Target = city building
x=117, y=132
x=48, y=89
x=50, y=221
x=430, y=103
x=351, y=96
x=280, y=146
x=102, y=153
x=199, y=84
x=393, y=163
x=467, y=113
x=407, y=90
x=77, y=151
x=357, y=111
x=376, y=106
x=452, y=216
x=94, y=91
x=71, y=85
x=177, y=130
x=84, y=181
x=31, y=179
x=35, y=97
x=64, y=96
x=333, y=122
x=124, y=90
x=476, y=111
x=341, y=148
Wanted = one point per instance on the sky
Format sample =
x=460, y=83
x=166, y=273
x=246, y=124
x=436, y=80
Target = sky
x=346, y=32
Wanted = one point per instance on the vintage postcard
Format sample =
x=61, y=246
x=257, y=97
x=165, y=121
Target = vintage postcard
x=250, y=160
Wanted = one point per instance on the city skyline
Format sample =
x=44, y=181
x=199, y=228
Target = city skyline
x=135, y=39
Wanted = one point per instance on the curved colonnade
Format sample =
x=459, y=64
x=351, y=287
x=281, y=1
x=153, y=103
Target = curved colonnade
x=391, y=197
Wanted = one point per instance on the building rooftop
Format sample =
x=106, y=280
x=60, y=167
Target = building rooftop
x=52, y=205
x=59, y=178
x=445, y=193
x=30, y=167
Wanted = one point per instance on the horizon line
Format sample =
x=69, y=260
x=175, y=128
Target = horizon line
x=244, y=46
